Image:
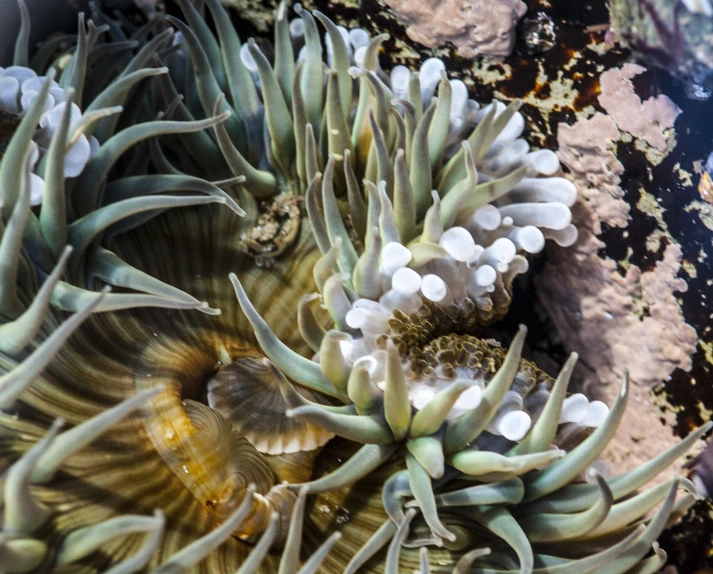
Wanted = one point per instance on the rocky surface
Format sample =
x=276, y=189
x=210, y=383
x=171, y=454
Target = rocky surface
x=475, y=27
x=645, y=218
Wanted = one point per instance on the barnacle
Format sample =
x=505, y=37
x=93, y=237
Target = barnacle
x=210, y=441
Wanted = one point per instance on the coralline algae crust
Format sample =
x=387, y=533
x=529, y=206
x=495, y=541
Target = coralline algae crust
x=475, y=27
x=615, y=318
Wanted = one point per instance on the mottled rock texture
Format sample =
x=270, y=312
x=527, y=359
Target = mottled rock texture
x=475, y=27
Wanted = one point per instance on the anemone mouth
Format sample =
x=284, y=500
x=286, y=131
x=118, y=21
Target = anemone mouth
x=432, y=321
x=181, y=366
x=219, y=422
x=452, y=356
x=247, y=393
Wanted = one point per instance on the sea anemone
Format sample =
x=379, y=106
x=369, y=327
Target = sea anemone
x=344, y=411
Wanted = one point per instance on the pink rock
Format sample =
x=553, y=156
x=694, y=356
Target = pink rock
x=585, y=148
x=475, y=27
x=646, y=120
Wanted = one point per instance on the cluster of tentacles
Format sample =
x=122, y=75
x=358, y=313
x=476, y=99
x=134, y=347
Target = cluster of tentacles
x=362, y=426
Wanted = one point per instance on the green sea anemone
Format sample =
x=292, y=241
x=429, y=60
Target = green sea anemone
x=336, y=407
